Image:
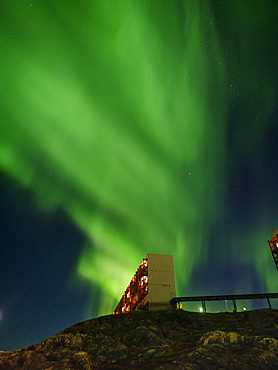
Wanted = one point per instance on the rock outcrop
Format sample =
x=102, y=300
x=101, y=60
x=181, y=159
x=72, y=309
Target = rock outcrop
x=158, y=340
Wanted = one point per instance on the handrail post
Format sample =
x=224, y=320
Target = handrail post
x=234, y=303
x=268, y=301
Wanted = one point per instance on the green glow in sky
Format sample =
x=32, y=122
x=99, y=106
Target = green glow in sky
x=117, y=112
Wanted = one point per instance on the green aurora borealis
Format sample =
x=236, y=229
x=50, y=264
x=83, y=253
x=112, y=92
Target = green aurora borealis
x=132, y=116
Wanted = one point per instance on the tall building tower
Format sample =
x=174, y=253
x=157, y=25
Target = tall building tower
x=152, y=286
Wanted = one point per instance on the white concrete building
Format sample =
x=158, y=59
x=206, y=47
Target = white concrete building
x=152, y=286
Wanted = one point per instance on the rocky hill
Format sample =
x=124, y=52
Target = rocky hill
x=158, y=340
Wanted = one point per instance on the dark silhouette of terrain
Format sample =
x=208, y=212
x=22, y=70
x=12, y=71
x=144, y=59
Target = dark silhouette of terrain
x=158, y=340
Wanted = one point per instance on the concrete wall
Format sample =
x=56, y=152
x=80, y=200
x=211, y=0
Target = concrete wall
x=162, y=286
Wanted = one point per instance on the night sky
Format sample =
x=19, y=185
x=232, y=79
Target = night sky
x=131, y=127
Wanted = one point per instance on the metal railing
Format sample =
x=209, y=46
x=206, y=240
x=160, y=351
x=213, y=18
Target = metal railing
x=231, y=297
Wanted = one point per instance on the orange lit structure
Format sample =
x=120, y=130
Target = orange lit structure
x=152, y=286
x=136, y=294
x=273, y=244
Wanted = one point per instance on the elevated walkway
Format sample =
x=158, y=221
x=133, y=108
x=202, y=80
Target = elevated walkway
x=232, y=297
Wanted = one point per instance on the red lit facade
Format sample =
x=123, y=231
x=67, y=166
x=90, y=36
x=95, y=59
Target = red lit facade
x=273, y=244
x=136, y=294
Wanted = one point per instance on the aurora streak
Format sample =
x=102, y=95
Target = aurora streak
x=132, y=116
